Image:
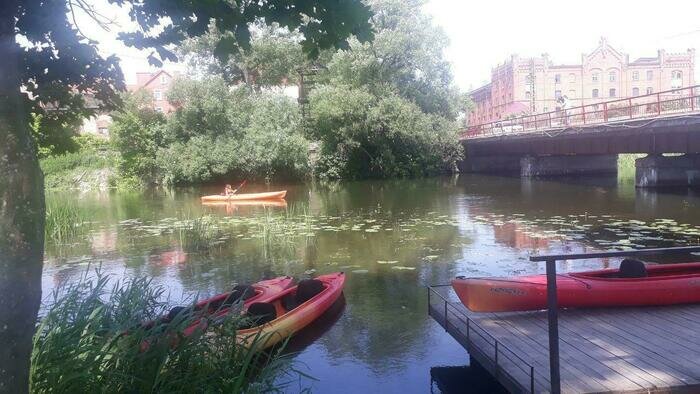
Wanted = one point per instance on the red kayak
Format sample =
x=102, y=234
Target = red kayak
x=291, y=310
x=220, y=305
x=633, y=284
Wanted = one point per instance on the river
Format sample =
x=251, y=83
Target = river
x=392, y=238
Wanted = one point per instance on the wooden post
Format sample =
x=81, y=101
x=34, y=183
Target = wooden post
x=553, y=328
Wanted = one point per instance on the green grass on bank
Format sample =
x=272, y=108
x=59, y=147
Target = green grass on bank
x=625, y=167
x=93, y=166
x=91, y=340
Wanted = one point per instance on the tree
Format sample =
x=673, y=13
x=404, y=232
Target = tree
x=57, y=65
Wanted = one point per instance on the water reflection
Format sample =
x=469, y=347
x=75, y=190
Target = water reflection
x=391, y=237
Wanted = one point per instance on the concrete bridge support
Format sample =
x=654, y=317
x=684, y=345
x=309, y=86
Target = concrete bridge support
x=501, y=164
x=668, y=171
x=545, y=166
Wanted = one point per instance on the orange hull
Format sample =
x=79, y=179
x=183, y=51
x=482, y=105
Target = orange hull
x=290, y=322
x=246, y=197
x=666, y=284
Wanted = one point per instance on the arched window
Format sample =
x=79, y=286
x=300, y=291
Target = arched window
x=677, y=74
x=595, y=77
x=613, y=92
x=635, y=75
x=612, y=76
x=676, y=79
x=572, y=78
x=635, y=91
x=594, y=94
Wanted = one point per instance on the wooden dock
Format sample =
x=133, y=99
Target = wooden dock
x=650, y=349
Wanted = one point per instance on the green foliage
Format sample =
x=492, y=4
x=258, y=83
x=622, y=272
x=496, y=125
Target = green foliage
x=137, y=132
x=407, y=54
x=273, y=58
x=54, y=135
x=89, y=167
x=91, y=340
x=364, y=135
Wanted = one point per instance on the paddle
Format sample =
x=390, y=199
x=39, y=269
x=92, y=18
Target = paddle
x=239, y=187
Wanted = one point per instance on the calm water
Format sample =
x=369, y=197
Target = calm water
x=391, y=237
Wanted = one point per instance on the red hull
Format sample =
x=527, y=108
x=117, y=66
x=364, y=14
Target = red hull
x=665, y=284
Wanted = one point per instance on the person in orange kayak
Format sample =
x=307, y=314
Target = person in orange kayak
x=228, y=191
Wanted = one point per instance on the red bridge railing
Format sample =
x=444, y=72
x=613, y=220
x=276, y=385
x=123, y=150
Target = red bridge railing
x=655, y=105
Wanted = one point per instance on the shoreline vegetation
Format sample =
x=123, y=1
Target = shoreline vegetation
x=363, y=112
x=91, y=338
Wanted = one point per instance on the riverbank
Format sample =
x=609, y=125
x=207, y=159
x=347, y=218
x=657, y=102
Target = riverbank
x=92, y=167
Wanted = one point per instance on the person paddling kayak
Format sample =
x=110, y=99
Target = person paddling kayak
x=229, y=191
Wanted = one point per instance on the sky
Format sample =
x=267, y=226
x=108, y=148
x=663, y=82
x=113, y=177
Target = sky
x=485, y=33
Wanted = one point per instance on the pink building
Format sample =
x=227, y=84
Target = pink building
x=158, y=84
x=604, y=74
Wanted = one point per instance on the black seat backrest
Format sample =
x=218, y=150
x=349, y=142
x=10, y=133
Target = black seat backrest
x=261, y=312
x=239, y=293
x=630, y=268
x=307, y=289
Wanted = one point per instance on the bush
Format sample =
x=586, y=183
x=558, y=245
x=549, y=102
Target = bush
x=364, y=135
x=219, y=133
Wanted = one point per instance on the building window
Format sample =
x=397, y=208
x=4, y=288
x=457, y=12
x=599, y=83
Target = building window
x=557, y=94
x=572, y=93
x=635, y=92
x=545, y=109
x=594, y=77
x=159, y=109
x=650, y=90
x=157, y=95
x=635, y=75
x=572, y=78
x=594, y=94
x=613, y=93
x=557, y=78
x=650, y=75
x=676, y=79
x=612, y=76
x=528, y=95
x=163, y=79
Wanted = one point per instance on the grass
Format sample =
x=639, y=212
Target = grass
x=200, y=234
x=91, y=340
x=625, y=167
x=86, y=168
x=64, y=222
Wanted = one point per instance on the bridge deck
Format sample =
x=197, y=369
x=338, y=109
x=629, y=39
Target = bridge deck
x=601, y=350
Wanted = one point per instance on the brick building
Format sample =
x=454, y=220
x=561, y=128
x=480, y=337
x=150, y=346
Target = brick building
x=603, y=75
x=158, y=84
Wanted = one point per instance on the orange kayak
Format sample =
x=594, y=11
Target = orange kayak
x=634, y=284
x=292, y=310
x=246, y=196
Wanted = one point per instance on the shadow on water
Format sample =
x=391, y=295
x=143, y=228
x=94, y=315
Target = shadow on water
x=465, y=379
x=306, y=337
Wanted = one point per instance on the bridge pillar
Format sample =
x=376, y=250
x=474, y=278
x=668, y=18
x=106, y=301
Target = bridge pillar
x=501, y=164
x=534, y=166
x=668, y=171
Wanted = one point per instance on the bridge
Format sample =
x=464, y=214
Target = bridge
x=588, y=138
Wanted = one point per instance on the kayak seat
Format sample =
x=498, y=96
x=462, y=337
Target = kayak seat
x=261, y=313
x=630, y=268
x=308, y=289
x=239, y=293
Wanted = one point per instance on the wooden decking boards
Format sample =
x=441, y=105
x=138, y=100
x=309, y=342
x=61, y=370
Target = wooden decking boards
x=650, y=349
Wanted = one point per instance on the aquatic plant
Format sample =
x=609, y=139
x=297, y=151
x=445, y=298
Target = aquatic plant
x=64, y=222
x=91, y=339
x=199, y=234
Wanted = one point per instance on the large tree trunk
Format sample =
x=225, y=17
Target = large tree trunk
x=22, y=218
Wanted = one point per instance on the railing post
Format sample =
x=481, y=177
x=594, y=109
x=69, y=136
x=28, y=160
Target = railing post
x=658, y=103
x=630, y=107
x=692, y=100
x=583, y=109
x=605, y=112
x=553, y=327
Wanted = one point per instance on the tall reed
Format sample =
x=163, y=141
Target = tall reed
x=92, y=340
x=64, y=222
